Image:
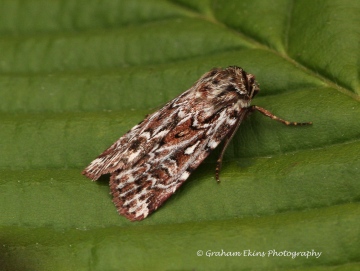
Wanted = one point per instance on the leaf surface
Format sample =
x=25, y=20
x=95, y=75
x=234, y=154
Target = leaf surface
x=76, y=75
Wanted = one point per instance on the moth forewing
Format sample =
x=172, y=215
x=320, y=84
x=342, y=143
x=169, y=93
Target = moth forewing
x=151, y=161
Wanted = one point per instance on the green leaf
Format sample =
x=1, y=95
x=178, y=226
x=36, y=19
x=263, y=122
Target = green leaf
x=76, y=75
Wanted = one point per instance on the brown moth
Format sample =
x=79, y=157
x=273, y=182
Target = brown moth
x=151, y=161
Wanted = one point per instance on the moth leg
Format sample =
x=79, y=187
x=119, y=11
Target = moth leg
x=226, y=144
x=272, y=116
x=236, y=126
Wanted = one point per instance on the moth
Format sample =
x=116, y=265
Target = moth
x=151, y=161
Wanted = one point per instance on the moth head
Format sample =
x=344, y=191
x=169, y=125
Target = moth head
x=228, y=85
x=243, y=83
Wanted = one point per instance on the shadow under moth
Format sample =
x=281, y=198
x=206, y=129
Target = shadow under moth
x=151, y=161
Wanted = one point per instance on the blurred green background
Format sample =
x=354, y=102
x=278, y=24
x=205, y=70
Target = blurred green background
x=76, y=75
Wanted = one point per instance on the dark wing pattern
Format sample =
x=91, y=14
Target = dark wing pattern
x=128, y=149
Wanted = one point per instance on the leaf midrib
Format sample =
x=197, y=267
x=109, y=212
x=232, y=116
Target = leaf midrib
x=258, y=45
